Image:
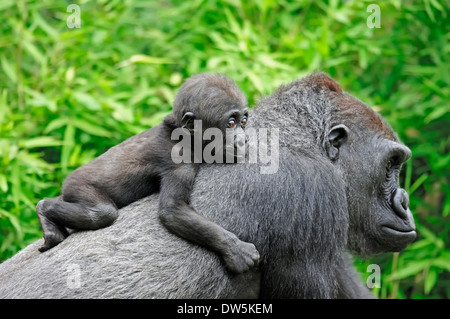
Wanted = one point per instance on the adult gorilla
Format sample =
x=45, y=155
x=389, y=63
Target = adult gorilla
x=336, y=187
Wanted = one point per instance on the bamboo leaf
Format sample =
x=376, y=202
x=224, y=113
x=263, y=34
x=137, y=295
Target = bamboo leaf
x=55, y=124
x=9, y=70
x=14, y=222
x=87, y=100
x=410, y=270
x=145, y=59
x=431, y=279
x=3, y=183
x=69, y=142
x=41, y=141
x=90, y=128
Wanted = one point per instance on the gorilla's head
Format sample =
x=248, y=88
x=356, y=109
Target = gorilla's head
x=370, y=157
x=362, y=148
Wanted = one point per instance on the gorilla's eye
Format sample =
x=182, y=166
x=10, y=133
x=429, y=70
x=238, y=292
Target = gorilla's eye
x=393, y=162
x=389, y=165
x=244, y=121
x=231, y=123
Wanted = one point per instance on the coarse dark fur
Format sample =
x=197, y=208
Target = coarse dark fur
x=93, y=194
x=336, y=189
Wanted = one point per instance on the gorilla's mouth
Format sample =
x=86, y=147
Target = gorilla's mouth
x=395, y=231
x=235, y=155
x=395, y=238
x=237, y=152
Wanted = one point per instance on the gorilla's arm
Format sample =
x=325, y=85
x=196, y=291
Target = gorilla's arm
x=349, y=281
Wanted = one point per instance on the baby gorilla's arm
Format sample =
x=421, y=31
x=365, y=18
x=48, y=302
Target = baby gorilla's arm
x=179, y=217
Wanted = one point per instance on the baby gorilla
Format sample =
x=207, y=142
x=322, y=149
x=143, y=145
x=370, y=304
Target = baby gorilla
x=142, y=165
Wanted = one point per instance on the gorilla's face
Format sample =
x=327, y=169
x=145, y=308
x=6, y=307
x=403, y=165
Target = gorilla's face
x=380, y=219
x=394, y=228
x=370, y=160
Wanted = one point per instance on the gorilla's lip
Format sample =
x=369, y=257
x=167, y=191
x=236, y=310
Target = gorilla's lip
x=236, y=156
x=398, y=232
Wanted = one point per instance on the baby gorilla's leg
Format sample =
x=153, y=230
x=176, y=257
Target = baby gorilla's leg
x=53, y=233
x=55, y=215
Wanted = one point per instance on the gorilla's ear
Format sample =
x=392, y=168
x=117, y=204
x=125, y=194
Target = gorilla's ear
x=334, y=140
x=187, y=122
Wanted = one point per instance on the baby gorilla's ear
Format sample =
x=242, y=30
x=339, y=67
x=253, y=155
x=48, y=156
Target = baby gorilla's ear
x=187, y=122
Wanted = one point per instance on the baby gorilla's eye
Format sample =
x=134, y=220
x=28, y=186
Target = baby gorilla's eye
x=244, y=121
x=231, y=123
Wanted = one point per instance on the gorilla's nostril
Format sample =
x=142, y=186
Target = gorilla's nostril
x=405, y=203
x=400, y=203
x=240, y=140
x=405, y=199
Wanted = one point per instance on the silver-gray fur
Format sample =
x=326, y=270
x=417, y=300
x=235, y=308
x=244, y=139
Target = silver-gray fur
x=134, y=258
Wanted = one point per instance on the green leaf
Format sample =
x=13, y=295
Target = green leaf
x=39, y=99
x=55, y=124
x=34, y=51
x=256, y=81
x=3, y=183
x=417, y=183
x=69, y=142
x=90, y=128
x=420, y=244
x=6, y=4
x=142, y=58
x=435, y=114
x=408, y=174
x=270, y=62
x=446, y=206
x=52, y=32
x=431, y=279
x=87, y=100
x=41, y=141
x=14, y=222
x=121, y=112
x=9, y=70
x=155, y=119
x=410, y=269
x=442, y=262
x=32, y=161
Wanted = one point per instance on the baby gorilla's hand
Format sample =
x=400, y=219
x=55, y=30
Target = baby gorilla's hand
x=241, y=256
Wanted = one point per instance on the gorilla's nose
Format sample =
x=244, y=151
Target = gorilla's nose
x=400, y=203
x=240, y=140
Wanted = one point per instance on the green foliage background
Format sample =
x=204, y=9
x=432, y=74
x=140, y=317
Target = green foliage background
x=67, y=95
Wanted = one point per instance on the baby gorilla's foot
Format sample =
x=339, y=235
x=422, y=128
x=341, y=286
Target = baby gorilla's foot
x=53, y=233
